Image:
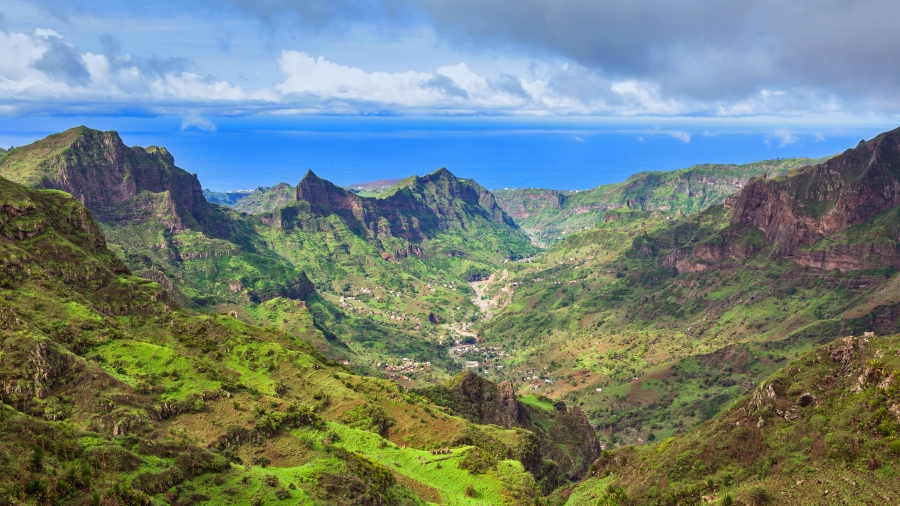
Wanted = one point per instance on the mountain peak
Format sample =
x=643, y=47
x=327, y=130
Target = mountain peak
x=321, y=192
x=443, y=172
x=100, y=170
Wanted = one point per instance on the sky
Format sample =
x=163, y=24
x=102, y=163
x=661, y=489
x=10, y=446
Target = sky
x=793, y=78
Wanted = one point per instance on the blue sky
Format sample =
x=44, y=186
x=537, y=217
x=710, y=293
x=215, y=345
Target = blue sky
x=791, y=74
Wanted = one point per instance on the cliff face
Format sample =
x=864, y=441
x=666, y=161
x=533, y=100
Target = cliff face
x=100, y=171
x=414, y=209
x=821, y=200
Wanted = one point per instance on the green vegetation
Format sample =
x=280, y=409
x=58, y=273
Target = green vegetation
x=550, y=215
x=112, y=390
x=823, y=430
x=669, y=347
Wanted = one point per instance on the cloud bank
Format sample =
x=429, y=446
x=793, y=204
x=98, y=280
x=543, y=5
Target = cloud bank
x=583, y=57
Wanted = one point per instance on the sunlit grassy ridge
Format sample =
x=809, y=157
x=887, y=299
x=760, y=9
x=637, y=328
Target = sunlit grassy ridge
x=823, y=430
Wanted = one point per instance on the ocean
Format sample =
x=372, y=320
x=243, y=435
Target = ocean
x=564, y=154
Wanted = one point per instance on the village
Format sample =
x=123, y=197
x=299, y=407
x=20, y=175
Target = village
x=406, y=369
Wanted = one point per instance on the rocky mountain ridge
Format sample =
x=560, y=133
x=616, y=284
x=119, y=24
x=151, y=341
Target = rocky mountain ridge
x=413, y=209
x=821, y=200
x=564, y=434
x=104, y=174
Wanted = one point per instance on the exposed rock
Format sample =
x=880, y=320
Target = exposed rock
x=564, y=434
x=818, y=201
x=416, y=209
x=843, y=352
x=895, y=410
x=100, y=171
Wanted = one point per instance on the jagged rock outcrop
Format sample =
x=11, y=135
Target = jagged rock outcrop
x=823, y=199
x=482, y=401
x=414, y=209
x=104, y=174
x=702, y=257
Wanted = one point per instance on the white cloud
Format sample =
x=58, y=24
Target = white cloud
x=44, y=71
x=785, y=137
x=682, y=136
x=579, y=139
x=199, y=122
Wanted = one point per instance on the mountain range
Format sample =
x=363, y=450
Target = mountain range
x=681, y=338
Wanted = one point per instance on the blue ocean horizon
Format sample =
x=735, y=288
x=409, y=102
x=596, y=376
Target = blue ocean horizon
x=561, y=154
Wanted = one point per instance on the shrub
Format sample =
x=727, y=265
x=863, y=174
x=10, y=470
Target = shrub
x=261, y=461
x=470, y=490
x=759, y=496
x=370, y=417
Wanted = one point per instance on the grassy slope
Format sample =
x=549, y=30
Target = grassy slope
x=551, y=215
x=823, y=430
x=30, y=167
x=599, y=309
x=127, y=395
x=266, y=199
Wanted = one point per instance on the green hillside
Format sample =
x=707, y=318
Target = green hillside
x=390, y=288
x=112, y=392
x=822, y=431
x=550, y=215
x=652, y=322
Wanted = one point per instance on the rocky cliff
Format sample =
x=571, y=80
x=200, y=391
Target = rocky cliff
x=821, y=200
x=100, y=171
x=414, y=209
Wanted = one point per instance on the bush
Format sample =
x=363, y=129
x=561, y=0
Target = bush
x=370, y=417
x=895, y=447
x=759, y=496
x=470, y=490
x=261, y=461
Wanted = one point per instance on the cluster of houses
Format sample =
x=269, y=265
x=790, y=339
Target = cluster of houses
x=390, y=315
x=488, y=352
x=406, y=368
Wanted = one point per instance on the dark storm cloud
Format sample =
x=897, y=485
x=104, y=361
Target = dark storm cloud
x=62, y=61
x=152, y=66
x=706, y=49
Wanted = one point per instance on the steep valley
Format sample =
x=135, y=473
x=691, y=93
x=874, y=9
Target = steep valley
x=681, y=338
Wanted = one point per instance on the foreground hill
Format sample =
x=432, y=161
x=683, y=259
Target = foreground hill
x=550, y=215
x=656, y=321
x=821, y=431
x=111, y=393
